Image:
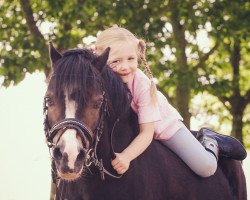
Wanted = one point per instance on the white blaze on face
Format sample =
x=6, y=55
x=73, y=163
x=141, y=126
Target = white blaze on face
x=69, y=136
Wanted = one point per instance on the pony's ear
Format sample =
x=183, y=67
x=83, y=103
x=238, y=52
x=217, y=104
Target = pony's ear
x=101, y=60
x=53, y=54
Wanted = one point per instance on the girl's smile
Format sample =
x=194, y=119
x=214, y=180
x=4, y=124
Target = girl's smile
x=124, y=74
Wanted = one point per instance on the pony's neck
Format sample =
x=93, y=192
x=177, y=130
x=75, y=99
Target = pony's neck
x=104, y=149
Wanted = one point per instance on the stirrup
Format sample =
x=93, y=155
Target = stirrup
x=210, y=145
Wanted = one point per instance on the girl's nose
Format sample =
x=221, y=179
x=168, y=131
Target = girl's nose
x=123, y=66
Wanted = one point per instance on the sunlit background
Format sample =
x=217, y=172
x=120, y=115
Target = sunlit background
x=25, y=163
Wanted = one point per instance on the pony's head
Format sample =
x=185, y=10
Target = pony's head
x=73, y=106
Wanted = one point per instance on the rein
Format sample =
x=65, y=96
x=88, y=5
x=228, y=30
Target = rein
x=85, y=133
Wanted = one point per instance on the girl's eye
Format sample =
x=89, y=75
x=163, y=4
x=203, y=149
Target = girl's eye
x=114, y=63
x=131, y=58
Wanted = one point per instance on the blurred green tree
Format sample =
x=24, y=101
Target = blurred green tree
x=171, y=29
x=226, y=73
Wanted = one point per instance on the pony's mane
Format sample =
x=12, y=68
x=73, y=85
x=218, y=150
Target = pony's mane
x=75, y=73
x=118, y=92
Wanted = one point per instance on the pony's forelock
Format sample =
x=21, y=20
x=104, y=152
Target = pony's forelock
x=75, y=74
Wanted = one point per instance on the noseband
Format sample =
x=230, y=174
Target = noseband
x=68, y=123
x=85, y=133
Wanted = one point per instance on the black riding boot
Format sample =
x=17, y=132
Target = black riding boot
x=222, y=145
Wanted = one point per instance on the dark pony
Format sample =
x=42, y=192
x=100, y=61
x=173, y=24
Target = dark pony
x=88, y=118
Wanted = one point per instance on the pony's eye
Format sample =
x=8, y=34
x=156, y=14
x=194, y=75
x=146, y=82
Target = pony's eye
x=98, y=104
x=49, y=101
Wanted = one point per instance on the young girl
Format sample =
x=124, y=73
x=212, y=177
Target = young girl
x=157, y=118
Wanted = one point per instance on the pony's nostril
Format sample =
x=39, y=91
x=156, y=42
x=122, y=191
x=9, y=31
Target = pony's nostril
x=80, y=156
x=57, y=154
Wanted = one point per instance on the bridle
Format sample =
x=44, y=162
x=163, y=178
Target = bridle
x=85, y=133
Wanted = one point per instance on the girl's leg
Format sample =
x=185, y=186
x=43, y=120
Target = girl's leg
x=189, y=149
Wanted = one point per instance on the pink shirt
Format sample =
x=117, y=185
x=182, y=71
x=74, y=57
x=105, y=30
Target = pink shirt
x=165, y=117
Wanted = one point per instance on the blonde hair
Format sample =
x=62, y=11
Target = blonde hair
x=116, y=35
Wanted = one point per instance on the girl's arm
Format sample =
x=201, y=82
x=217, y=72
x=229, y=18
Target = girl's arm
x=136, y=147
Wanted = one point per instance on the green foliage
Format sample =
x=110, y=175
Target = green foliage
x=19, y=50
x=24, y=50
x=230, y=18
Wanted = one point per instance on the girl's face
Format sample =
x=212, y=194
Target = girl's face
x=123, y=60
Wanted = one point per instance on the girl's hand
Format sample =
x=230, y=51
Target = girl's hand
x=135, y=148
x=121, y=163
